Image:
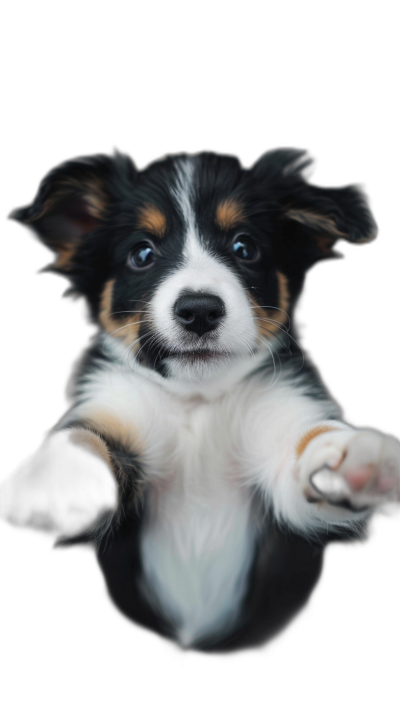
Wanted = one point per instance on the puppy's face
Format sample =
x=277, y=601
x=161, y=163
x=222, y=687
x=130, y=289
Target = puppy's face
x=194, y=263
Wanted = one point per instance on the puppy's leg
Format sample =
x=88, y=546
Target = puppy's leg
x=334, y=477
x=74, y=482
x=357, y=467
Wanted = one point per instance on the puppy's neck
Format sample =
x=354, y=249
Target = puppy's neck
x=207, y=388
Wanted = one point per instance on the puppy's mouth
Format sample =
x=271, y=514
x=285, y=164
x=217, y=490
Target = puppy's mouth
x=197, y=355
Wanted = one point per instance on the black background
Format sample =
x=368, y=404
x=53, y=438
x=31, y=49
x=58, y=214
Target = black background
x=54, y=603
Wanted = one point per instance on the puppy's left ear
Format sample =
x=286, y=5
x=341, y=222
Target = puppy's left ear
x=318, y=215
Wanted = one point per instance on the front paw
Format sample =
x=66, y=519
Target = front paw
x=357, y=467
x=64, y=488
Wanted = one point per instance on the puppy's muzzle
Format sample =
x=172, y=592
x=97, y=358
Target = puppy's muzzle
x=199, y=312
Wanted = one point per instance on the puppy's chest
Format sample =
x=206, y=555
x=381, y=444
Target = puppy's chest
x=197, y=477
x=198, y=535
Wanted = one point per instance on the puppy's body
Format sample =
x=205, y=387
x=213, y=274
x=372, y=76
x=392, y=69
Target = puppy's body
x=232, y=466
x=206, y=462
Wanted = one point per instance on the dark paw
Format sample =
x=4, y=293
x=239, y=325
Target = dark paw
x=62, y=489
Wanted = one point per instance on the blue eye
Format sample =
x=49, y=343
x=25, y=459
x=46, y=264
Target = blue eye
x=244, y=248
x=142, y=257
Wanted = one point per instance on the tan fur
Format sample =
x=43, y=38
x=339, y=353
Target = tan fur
x=125, y=326
x=65, y=256
x=316, y=221
x=94, y=441
x=276, y=318
x=229, y=213
x=310, y=435
x=111, y=426
x=151, y=219
x=96, y=199
x=95, y=432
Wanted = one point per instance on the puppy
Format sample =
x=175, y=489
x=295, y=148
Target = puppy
x=202, y=454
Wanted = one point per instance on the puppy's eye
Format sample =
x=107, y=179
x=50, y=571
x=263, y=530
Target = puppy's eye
x=244, y=248
x=142, y=257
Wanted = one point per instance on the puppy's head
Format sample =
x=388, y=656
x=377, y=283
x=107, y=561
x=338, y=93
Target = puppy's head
x=193, y=263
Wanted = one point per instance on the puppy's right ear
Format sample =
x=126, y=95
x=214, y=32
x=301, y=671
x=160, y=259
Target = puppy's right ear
x=72, y=201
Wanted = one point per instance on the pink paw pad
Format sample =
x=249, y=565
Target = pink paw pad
x=383, y=483
x=359, y=477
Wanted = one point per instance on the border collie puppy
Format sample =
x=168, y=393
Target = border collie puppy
x=202, y=454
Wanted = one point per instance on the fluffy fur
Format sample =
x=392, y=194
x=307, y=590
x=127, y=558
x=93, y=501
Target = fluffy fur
x=201, y=454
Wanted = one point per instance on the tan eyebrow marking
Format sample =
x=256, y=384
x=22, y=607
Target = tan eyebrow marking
x=229, y=213
x=152, y=219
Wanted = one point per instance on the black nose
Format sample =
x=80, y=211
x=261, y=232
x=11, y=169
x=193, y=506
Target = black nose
x=199, y=312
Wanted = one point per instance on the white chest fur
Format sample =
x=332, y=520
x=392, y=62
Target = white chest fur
x=198, y=538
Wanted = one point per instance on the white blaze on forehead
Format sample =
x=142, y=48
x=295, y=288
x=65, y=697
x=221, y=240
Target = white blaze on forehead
x=183, y=191
x=184, y=194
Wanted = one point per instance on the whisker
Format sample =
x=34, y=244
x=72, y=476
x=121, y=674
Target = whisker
x=110, y=334
x=141, y=337
x=145, y=302
x=131, y=346
x=131, y=312
x=273, y=380
x=131, y=366
x=282, y=324
x=279, y=338
x=264, y=319
x=272, y=307
x=159, y=351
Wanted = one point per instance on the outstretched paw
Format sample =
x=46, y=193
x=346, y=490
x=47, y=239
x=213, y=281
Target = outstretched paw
x=64, y=487
x=357, y=467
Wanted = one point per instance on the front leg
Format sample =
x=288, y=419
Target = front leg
x=74, y=482
x=333, y=478
x=320, y=476
x=358, y=468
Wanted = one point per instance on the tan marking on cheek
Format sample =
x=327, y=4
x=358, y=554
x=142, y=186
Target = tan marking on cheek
x=310, y=435
x=265, y=328
x=270, y=321
x=151, y=219
x=229, y=213
x=94, y=442
x=284, y=295
x=126, y=328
